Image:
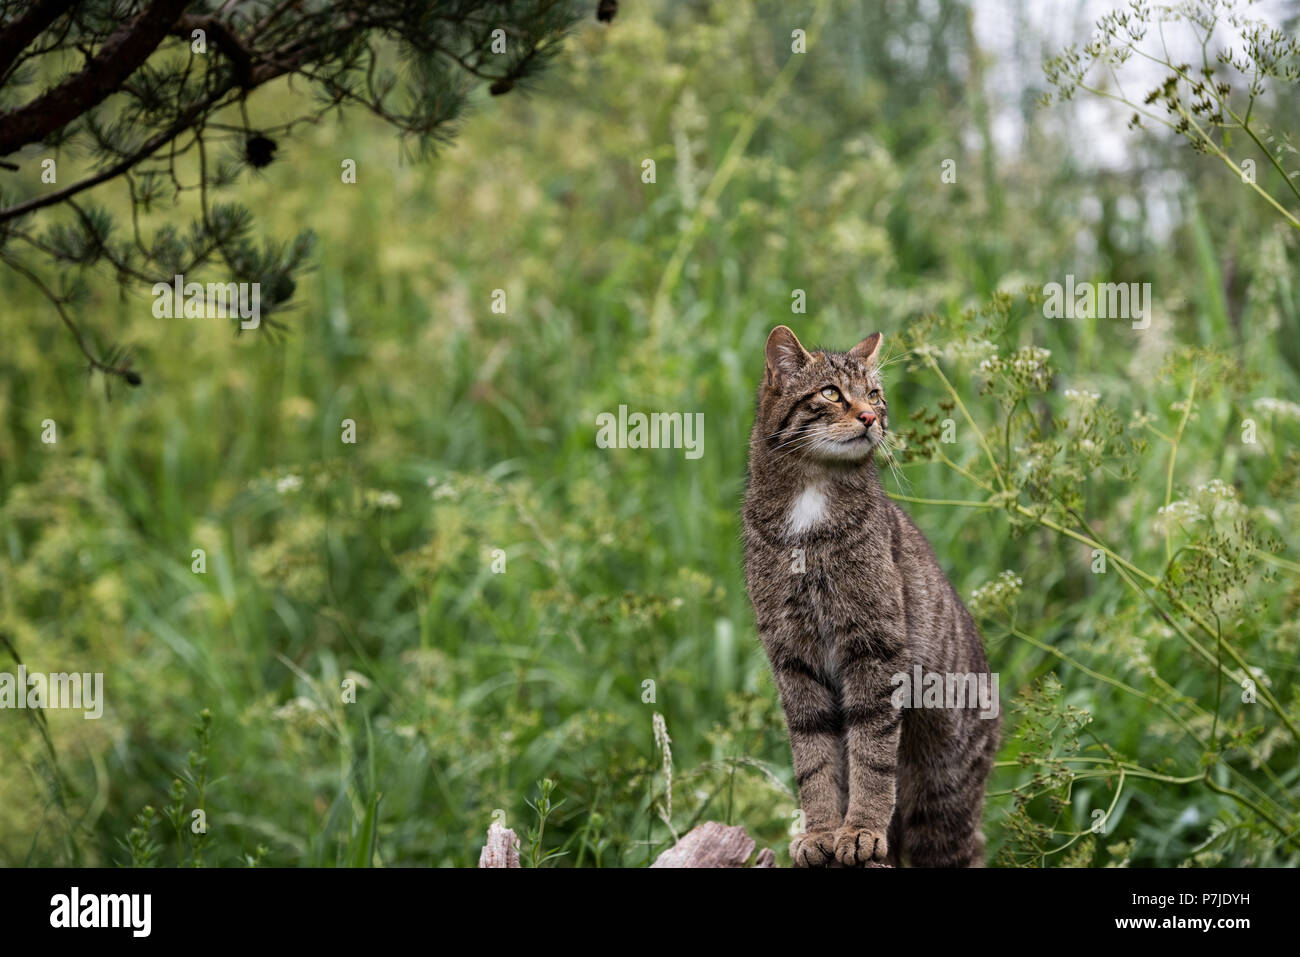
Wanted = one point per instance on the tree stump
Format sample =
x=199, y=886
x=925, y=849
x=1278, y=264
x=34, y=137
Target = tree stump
x=501, y=849
x=714, y=845
x=711, y=844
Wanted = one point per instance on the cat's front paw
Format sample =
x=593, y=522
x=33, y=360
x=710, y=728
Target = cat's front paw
x=813, y=849
x=858, y=846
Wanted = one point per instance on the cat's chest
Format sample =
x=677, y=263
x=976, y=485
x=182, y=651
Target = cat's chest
x=809, y=509
x=835, y=556
x=821, y=512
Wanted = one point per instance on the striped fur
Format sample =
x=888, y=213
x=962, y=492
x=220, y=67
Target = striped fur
x=846, y=594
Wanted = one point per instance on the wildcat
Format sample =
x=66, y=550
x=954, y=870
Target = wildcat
x=848, y=595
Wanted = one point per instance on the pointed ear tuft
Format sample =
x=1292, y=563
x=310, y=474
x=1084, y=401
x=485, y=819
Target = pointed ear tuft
x=868, y=349
x=785, y=356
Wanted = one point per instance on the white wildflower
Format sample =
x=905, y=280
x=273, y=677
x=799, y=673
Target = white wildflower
x=385, y=501
x=1218, y=499
x=1177, y=513
x=1030, y=359
x=296, y=708
x=997, y=594
x=969, y=350
x=1257, y=675
x=1027, y=365
x=1281, y=408
x=1217, y=488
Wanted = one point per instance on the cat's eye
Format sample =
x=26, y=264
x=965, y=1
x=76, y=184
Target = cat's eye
x=873, y=394
x=832, y=393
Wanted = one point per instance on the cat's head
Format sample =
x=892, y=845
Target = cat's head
x=821, y=406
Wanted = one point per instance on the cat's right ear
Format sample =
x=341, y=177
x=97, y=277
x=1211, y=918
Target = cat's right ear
x=785, y=355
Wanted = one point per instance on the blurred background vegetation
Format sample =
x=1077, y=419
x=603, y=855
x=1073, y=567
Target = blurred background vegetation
x=475, y=432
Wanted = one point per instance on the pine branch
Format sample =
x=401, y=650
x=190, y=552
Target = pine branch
x=121, y=55
x=225, y=40
x=156, y=142
x=16, y=35
x=122, y=370
x=163, y=106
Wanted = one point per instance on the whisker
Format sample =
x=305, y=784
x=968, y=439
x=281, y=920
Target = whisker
x=903, y=484
x=807, y=442
x=806, y=434
x=804, y=428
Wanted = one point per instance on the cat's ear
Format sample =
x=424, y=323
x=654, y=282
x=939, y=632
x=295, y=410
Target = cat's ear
x=785, y=356
x=868, y=349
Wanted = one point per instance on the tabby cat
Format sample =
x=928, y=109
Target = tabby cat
x=848, y=595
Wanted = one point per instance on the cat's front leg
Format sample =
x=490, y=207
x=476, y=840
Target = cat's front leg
x=812, y=714
x=872, y=726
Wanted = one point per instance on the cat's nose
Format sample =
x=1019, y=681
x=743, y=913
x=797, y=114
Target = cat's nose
x=866, y=418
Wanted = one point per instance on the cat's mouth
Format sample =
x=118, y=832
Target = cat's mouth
x=866, y=440
x=853, y=448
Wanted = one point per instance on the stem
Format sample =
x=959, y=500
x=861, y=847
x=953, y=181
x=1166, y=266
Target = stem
x=1210, y=145
x=1162, y=705
x=1169, y=473
x=1137, y=771
x=1247, y=802
x=900, y=497
x=1006, y=451
x=1242, y=124
x=57, y=302
x=1115, y=682
x=979, y=434
x=1126, y=566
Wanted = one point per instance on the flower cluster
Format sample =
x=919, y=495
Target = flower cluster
x=997, y=596
x=384, y=501
x=1215, y=500
x=1025, y=370
x=1281, y=408
x=968, y=350
x=1175, y=514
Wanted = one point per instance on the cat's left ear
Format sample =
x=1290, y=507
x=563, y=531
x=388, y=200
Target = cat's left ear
x=785, y=355
x=868, y=349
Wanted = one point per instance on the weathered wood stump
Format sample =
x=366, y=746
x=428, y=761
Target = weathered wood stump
x=711, y=844
x=501, y=849
x=714, y=845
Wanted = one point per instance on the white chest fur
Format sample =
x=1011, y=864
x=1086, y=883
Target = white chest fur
x=808, y=510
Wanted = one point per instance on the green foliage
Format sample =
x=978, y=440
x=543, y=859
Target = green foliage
x=1242, y=60
x=543, y=807
x=1197, y=577
x=154, y=102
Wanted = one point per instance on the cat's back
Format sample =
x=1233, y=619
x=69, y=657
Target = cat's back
x=936, y=612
